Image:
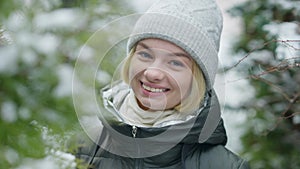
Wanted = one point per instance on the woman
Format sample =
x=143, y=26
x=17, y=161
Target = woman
x=164, y=112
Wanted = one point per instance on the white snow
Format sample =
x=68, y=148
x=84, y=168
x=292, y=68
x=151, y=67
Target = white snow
x=60, y=19
x=287, y=4
x=48, y=162
x=65, y=74
x=9, y=112
x=15, y=22
x=46, y=44
x=103, y=77
x=55, y=157
x=142, y=6
x=86, y=54
x=11, y=155
x=104, y=8
x=24, y=113
x=296, y=119
x=29, y=57
x=37, y=164
x=286, y=32
x=8, y=56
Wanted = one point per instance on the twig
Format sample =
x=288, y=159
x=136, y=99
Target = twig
x=282, y=66
x=284, y=113
x=286, y=42
x=291, y=102
x=281, y=91
x=246, y=56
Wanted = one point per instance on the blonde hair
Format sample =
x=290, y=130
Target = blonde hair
x=197, y=92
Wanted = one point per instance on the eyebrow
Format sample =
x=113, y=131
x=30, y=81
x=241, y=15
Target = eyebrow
x=182, y=55
x=143, y=45
x=176, y=54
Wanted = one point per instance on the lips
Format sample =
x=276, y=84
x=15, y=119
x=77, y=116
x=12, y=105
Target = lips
x=154, y=89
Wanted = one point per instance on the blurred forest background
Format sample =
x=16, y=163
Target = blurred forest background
x=40, y=41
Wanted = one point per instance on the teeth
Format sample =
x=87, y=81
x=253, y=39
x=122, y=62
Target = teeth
x=154, y=90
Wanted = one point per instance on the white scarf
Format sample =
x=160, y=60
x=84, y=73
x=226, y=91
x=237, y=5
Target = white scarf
x=134, y=115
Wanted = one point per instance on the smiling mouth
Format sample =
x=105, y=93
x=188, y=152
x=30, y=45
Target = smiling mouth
x=154, y=90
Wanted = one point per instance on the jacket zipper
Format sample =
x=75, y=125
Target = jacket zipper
x=138, y=164
x=137, y=161
x=134, y=131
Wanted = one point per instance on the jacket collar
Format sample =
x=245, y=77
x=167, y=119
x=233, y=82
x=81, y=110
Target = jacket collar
x=204, y=126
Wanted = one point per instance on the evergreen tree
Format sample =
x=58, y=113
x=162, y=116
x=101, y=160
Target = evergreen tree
x=270, y=50
x=39, y=44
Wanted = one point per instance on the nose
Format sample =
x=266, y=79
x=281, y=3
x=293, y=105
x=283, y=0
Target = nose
x=154, y=74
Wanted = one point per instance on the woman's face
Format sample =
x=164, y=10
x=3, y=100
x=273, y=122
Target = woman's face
x=160, y=74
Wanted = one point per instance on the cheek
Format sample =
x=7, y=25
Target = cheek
x=130, y=73
x=184, y=84
x=134, y=69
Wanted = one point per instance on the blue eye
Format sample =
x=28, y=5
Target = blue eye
x=176, y=63
x=145, y=55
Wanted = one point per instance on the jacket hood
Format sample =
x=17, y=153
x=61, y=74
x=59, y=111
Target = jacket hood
x=204, y=126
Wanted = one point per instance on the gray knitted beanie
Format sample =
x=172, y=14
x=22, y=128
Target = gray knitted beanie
x=193, y=25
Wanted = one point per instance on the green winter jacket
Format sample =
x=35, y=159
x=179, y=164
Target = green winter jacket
x=174, y=145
